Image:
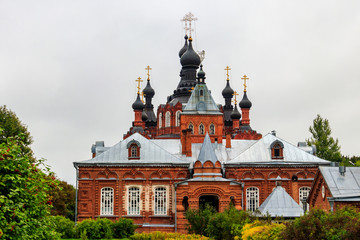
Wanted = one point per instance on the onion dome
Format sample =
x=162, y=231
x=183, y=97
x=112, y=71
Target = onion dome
x=190, y=57
x=245, y=102
x=228, y=91
x=235, y=114
x=185, y=47
x=138, y=105
x=144, y=116
x=148, y=90
x=201, y=73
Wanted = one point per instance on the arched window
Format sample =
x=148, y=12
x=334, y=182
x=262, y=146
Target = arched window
x=178, y=118
x=201, y=129
x=134, y=201
x=160, y=201
x=303, y=195
x=133, y=149
x=277, y=150
x=107, y=201
x=212, y=129
x=191, y=127
x=252, y=199
x=160, y=120
x=167, y=119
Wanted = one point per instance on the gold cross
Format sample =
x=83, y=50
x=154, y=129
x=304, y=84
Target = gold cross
x=245, y=78
x=235, y=94
x=148, y=72
x=191, y=89
x=142, y=97
x=227, y=69
x=138, y=81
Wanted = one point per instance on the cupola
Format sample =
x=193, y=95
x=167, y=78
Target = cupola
x=190, y=57
x=184, y=48
x=235, y=115
x=138, y=105
x=201, y=75
x=245, y=102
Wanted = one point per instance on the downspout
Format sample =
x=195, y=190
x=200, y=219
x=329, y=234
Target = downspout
x=242, y=192
x=331, y=201
x=76, y=192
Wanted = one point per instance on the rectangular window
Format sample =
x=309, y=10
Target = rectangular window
x=134, y=201
x=252, y=199
x=160, y=201
x=107, y=201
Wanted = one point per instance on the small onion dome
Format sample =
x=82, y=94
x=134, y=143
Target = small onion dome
x=235, y=113
x=190, y=57
x=228, y=91
x=144, y=116
x=185, y=47
x=245, y=102
x=148, y=90
x=201, y=73
x=138, y=105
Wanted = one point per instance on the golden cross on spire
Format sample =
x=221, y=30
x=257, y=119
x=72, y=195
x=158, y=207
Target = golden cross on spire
x=148, y=72
x=245, y=78
x=235, y=94
x=191, y=89
x=227, y=69
x=142, y=97
x=138, y=86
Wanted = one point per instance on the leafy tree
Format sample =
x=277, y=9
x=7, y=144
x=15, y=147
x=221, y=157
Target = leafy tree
x=353, y=161
x=63, y=199
x=24, y=200
x=326, y=146
x=199, y=219
x=12, y=126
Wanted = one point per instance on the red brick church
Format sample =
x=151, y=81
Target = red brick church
x=192, y=151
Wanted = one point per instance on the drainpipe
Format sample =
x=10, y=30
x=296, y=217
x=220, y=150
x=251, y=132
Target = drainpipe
x=331, y=201
x=175, y=185
x=242, y=184
x=76, y=192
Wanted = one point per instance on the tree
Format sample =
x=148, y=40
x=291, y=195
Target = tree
x=63, y=200
x=12, y=126
x=326, y=146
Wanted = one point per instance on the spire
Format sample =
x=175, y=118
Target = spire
x=207, y=152
x=149, y=93
x=201, y=75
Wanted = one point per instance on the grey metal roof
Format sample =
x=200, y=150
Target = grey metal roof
x=207, y=152
x=347, y=186
x=260, y=152
x=280, y=203
x=150, y=153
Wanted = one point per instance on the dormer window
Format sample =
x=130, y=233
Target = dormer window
x=133, y=150
x=277, y=150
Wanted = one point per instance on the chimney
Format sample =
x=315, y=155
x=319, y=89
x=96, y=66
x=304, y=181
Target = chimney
x=273, y=132
x=228, y=140
x=342, y=170
x=186, y=142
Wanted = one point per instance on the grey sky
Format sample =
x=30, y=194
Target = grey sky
x=68, y=68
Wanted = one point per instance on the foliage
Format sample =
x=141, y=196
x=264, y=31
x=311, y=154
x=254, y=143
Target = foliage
x=199, y=219
x=227, y=225
x=318, y=224
x=100, y=228
x=12, y=127
x=63, y=200
x=326, y=147
x=123, y=228
x=166, y=236
x=24, y=199
x=353, y=161
x=262, y=231
x=63, y=226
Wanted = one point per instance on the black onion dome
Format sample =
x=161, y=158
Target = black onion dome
x=144, y=116
x=228, y=91
x=190, y=57
x=185, y=47
x=138, y=104
x=148, y=90
x=235, y=113
x=245, y=102
x=201, y=73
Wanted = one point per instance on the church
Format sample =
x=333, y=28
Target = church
x=191, y=151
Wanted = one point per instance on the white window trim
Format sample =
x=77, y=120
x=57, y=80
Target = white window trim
x=177, y=115
x=160, y=120
x=304, y=192
x=107, y=201
x=252, y=194
x=155, y=204
x=128, y=203
x=167, y=119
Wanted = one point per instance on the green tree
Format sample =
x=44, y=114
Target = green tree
x=11, y=127
x=326, y=146
x=63, y=199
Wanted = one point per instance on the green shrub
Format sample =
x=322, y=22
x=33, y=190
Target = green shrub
x=199, y=219
x=64, y=226
x=262, y=231
x=166, y=236
x=95, y=229
x=123, y=228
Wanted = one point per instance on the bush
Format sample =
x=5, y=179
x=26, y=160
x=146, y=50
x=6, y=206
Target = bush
x=123, y=228
x=166, y=236
x=262, y=231
x=64, y=226
x=199, y=219
x=95, y=229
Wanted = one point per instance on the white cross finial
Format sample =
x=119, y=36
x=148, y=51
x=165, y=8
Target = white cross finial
x=188, y=18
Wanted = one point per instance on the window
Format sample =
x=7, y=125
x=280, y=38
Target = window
x=167, y=119
x=134, y=152
x=160, y=201
x=191, y=127
x=107, y=201
x=252, y=199
x=277, y=150
x=201, y=129
x=178, y=118
x=212, y=129
x=133, y=149
x=160, y=120
x=134, y=201
x=303, y=195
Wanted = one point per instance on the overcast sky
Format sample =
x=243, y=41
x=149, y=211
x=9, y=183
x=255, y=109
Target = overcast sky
x=68, y=68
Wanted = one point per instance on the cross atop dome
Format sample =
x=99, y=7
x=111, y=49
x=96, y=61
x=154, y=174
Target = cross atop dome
x=227, y=69
x=138, y=84
x=245, y=78
x=148, y=68
x=188, y=18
